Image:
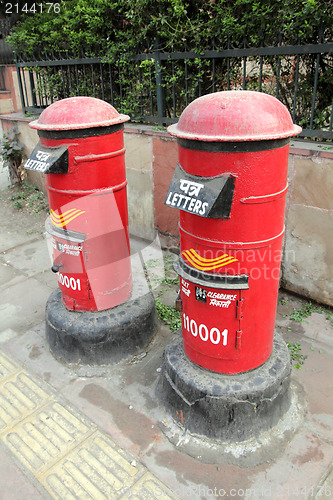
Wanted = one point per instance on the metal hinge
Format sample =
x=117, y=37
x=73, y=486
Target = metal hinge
x=239, y=309
x=239, y=334
x=179, y=303
x=239, y=316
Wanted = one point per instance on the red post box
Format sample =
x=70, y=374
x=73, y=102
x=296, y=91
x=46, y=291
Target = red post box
x=230, y=186
x=98, y=314
x=81, y=151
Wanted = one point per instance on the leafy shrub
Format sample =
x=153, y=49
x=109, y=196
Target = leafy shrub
x=113, y=30
x=11, y=151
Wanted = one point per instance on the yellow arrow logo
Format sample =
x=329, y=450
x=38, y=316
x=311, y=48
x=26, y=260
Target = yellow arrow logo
x=207, y=264
x=66, y=217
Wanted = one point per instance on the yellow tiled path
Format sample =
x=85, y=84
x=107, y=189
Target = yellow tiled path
x=64, y=450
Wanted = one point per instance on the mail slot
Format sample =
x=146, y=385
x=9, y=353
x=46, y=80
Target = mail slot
x=81, y=151
x=230, y=187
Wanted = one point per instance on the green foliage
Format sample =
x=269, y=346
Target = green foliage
x=11, y=151
x=304, y=312
x=18, y=204
x=295, y=354
x=307, y=309
x=158, y=273
x=169, y=315
x=120, y=25
x=113, y=29
x=170, y=276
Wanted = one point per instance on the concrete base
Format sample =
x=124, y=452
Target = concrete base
x=102, y=337
x=225, y=407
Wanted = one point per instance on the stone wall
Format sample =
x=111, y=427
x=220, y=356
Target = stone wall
x=308, y=262
x=140, y=187
x=151, y=158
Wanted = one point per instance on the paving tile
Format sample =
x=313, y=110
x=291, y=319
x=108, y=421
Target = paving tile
x=8, y=275
x=15, y=237
x=150, y=488
x=97, y=469
x=14, y=484
x=47, y=436
x=30, y=258
x=8, y=366
x=325, y=489
x=6, y=335
x=32, y=350
x=23, y=305
x=20, y=396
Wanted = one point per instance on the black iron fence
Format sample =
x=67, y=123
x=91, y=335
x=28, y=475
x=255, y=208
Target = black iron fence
x=154, y=86
x=2, y=78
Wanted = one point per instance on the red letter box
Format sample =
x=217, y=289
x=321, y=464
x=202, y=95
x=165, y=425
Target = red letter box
x=81, y=151
x=230, y=186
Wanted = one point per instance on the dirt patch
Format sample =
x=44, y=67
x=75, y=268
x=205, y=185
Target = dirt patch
x=26, y=198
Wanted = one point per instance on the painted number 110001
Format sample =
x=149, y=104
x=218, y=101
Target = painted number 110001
x=213, y=335
x=74, y=284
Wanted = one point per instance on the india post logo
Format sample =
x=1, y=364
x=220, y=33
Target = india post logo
x=63, y=219
x=207, y=264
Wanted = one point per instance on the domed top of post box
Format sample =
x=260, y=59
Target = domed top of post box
x=235, y=115
x=78, y=113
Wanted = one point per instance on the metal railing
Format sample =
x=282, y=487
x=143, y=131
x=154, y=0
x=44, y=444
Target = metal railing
x=2, y=78
x=154, y=86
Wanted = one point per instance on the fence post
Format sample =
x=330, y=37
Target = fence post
x=32, y=88
x=2, y=78
x=160, y=94
x=18, y=72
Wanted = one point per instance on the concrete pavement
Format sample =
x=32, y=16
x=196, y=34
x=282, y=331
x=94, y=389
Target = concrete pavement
x=100, y=432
